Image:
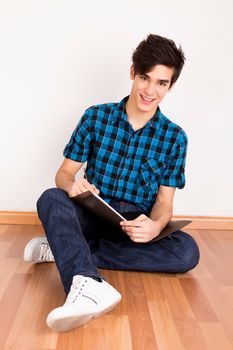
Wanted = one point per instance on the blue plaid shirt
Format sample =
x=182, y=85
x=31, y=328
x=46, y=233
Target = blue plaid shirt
x=125, y=164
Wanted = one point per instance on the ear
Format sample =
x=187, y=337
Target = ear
x=132, y=76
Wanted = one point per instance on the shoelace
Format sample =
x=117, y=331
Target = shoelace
x=76, y=289
x=45, y=252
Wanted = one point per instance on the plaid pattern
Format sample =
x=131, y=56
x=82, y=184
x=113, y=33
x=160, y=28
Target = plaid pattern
x=124, y=164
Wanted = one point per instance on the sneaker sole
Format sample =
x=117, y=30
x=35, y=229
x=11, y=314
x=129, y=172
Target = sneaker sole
x=69, y=322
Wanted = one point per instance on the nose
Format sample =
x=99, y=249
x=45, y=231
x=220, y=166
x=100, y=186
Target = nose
x=150, y=89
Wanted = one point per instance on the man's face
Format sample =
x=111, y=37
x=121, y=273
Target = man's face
x=149, y=89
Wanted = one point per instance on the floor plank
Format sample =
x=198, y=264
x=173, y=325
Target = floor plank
x=190, y=311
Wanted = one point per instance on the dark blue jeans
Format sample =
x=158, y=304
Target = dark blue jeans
x=81, y=242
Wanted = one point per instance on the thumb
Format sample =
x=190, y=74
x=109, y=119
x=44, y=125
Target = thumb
x=95, y=189
x=142, y=217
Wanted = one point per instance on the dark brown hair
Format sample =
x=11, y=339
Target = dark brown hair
x=156, y=50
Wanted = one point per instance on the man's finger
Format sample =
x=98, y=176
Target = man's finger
x=138, y=240
x=129, y=223
x=133, y=229
x=135, y=222
x=95, y=189
x=82, y=188
x=89, y=187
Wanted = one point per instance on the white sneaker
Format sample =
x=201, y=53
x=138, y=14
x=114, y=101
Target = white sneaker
x=86, y=300
x=37, y=251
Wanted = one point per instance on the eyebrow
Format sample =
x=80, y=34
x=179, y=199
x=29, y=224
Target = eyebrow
x=164, y=81
x=160, y=80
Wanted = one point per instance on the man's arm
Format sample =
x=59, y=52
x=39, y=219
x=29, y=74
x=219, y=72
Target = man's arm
x=65, y=179
x=162, y=209
x=143, y=228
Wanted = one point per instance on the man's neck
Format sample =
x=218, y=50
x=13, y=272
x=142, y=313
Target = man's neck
x=137, y=119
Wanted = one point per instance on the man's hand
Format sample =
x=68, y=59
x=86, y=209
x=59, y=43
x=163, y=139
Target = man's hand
x=80, y=186
x=142, y=229
x=65, y=179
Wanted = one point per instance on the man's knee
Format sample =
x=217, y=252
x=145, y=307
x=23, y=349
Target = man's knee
x=51, y=194
x=190, y=257
x=51, y=197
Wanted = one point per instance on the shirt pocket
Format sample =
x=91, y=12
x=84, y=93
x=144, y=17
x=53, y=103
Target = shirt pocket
x=150, y=173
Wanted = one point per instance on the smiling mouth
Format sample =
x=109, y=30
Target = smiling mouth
x=147, y=99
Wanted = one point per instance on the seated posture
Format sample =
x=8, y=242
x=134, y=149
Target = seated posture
x=135, y=159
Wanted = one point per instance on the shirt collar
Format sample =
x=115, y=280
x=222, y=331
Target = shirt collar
x=120, y=113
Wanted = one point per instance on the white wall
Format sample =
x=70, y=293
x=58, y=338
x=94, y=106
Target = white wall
x=57, y=57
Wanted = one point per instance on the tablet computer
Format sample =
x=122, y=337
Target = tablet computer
x=97, y=205
x=171, y=227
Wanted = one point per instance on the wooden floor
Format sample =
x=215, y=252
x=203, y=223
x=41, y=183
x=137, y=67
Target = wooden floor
x=158, y=311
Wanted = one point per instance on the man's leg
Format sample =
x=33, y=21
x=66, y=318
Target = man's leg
x=66, y=228
x=176, y=253
x=64, y=224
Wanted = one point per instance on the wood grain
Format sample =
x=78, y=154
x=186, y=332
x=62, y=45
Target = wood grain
x=190, y=311
x=198, y=222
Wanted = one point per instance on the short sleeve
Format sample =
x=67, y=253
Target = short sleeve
x=79, y=145
x=174, y=173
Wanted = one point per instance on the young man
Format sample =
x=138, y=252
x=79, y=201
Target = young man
x=135, y=160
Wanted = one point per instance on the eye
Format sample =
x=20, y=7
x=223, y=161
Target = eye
x=162, y=83
x=143, y=77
